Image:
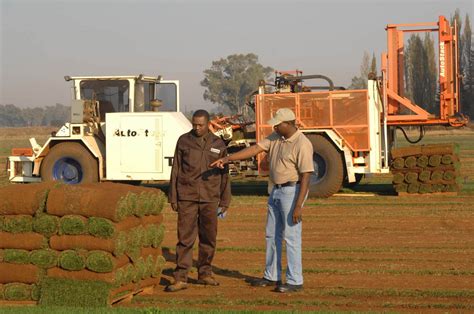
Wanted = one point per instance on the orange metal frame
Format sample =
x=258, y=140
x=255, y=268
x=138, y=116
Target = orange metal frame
x=393, y=82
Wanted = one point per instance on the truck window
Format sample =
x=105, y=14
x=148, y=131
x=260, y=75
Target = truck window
x=167, y=93
x=113, y=96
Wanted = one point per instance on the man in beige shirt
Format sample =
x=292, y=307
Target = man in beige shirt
x=291, y=163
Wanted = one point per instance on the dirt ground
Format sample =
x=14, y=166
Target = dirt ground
x=379, y=253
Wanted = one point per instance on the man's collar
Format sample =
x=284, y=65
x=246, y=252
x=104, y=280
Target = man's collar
x=204, y=137
x=291, y=138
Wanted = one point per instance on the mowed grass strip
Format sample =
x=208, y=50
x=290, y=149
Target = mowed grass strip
x=361, y=249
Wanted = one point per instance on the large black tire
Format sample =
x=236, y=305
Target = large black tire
x=70, y=163
x=328, y=168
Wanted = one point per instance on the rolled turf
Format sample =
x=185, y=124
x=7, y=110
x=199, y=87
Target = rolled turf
x=25, y=273
x=101, y=227
x=437, y=175
x=449, y=175
x=158, y=267
x=425, y=188
x=447, y=159
x=17, y=292
x=100, y=262
x=16, y=256
x=411, y=177
x=398, y=178
x=73, y=225
x=398, y=163
x=422, y=161
x=71, y=260
x=413, y=187
x=425, y=175
x=401, y=187
x=44, y=258
x=435, y=160
x=18, y=223
x=24, y=199
x=106, y=200
x=45, y=224
x=410, y=162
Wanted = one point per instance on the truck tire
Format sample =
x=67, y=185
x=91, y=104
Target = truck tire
x=328, y=168
x=70, y=163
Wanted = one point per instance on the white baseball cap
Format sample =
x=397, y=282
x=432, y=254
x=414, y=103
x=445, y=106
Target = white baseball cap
x=282, y=115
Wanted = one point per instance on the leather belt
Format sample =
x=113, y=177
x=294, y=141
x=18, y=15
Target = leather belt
x=290, y=183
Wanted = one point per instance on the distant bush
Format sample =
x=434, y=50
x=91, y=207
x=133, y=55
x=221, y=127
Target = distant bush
x=13, y=116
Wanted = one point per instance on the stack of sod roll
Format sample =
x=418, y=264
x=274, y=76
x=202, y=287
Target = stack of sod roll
x=426, y=169
x=79, y=245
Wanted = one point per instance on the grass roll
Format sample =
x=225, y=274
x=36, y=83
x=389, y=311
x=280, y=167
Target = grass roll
x=71, y=260
x=18, y=223
x=435, y=160
x=398, y=163
x=100, y=262
x=422, y=161
x=447, y=159
x=16, y=256
x=413, y=187
x=401, y=187
x=425, y=188
x=410, y=162
x=101, y=227
x=45, y=224
x=158, y=267
x=425, y=175
x=73, y=225
x=44, y=258
x=449, y=175
x=17, y=292
x=437, y=175
x=398, y=178
x=411, y=177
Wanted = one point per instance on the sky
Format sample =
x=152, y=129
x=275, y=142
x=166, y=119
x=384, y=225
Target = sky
x=41, y=41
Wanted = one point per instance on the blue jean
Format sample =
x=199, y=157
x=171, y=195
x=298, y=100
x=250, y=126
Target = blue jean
x=280, y=227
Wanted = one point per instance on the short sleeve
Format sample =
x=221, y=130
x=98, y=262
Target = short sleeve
x=305, y=157
x=266, y=142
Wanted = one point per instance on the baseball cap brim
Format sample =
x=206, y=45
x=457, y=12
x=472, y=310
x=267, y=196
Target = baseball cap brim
x=273, y=121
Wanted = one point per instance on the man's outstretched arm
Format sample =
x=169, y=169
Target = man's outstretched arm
x=240, y=155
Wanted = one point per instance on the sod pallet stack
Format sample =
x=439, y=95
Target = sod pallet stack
x=82, y=245
x=426, y=169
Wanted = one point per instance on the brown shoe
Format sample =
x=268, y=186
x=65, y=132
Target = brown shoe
x=208, y=281
x=176, y=286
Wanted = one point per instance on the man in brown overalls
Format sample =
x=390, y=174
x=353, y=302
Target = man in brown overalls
x=196, y=191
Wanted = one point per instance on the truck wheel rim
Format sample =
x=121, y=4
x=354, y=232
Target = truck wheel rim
x=67, y=170
x=319, y=169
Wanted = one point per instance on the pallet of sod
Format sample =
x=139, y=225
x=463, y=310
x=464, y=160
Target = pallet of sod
x=426, y=169
x=22, y=242
x=56, y=251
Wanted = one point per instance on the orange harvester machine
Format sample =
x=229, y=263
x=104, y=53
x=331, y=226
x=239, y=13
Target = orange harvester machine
x=346, y=112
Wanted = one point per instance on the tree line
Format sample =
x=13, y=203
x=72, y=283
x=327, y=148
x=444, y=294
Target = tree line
x=13, y=116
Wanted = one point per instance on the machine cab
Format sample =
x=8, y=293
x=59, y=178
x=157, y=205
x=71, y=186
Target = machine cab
x=127, y=93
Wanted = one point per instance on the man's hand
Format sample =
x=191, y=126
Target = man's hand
x=223, y=209
x=220, y=163
x=174, y=207
x=297, y=214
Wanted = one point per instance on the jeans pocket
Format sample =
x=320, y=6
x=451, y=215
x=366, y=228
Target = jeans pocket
x=288, y=190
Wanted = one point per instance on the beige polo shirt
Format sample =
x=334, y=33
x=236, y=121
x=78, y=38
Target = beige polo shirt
x=288, y=157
